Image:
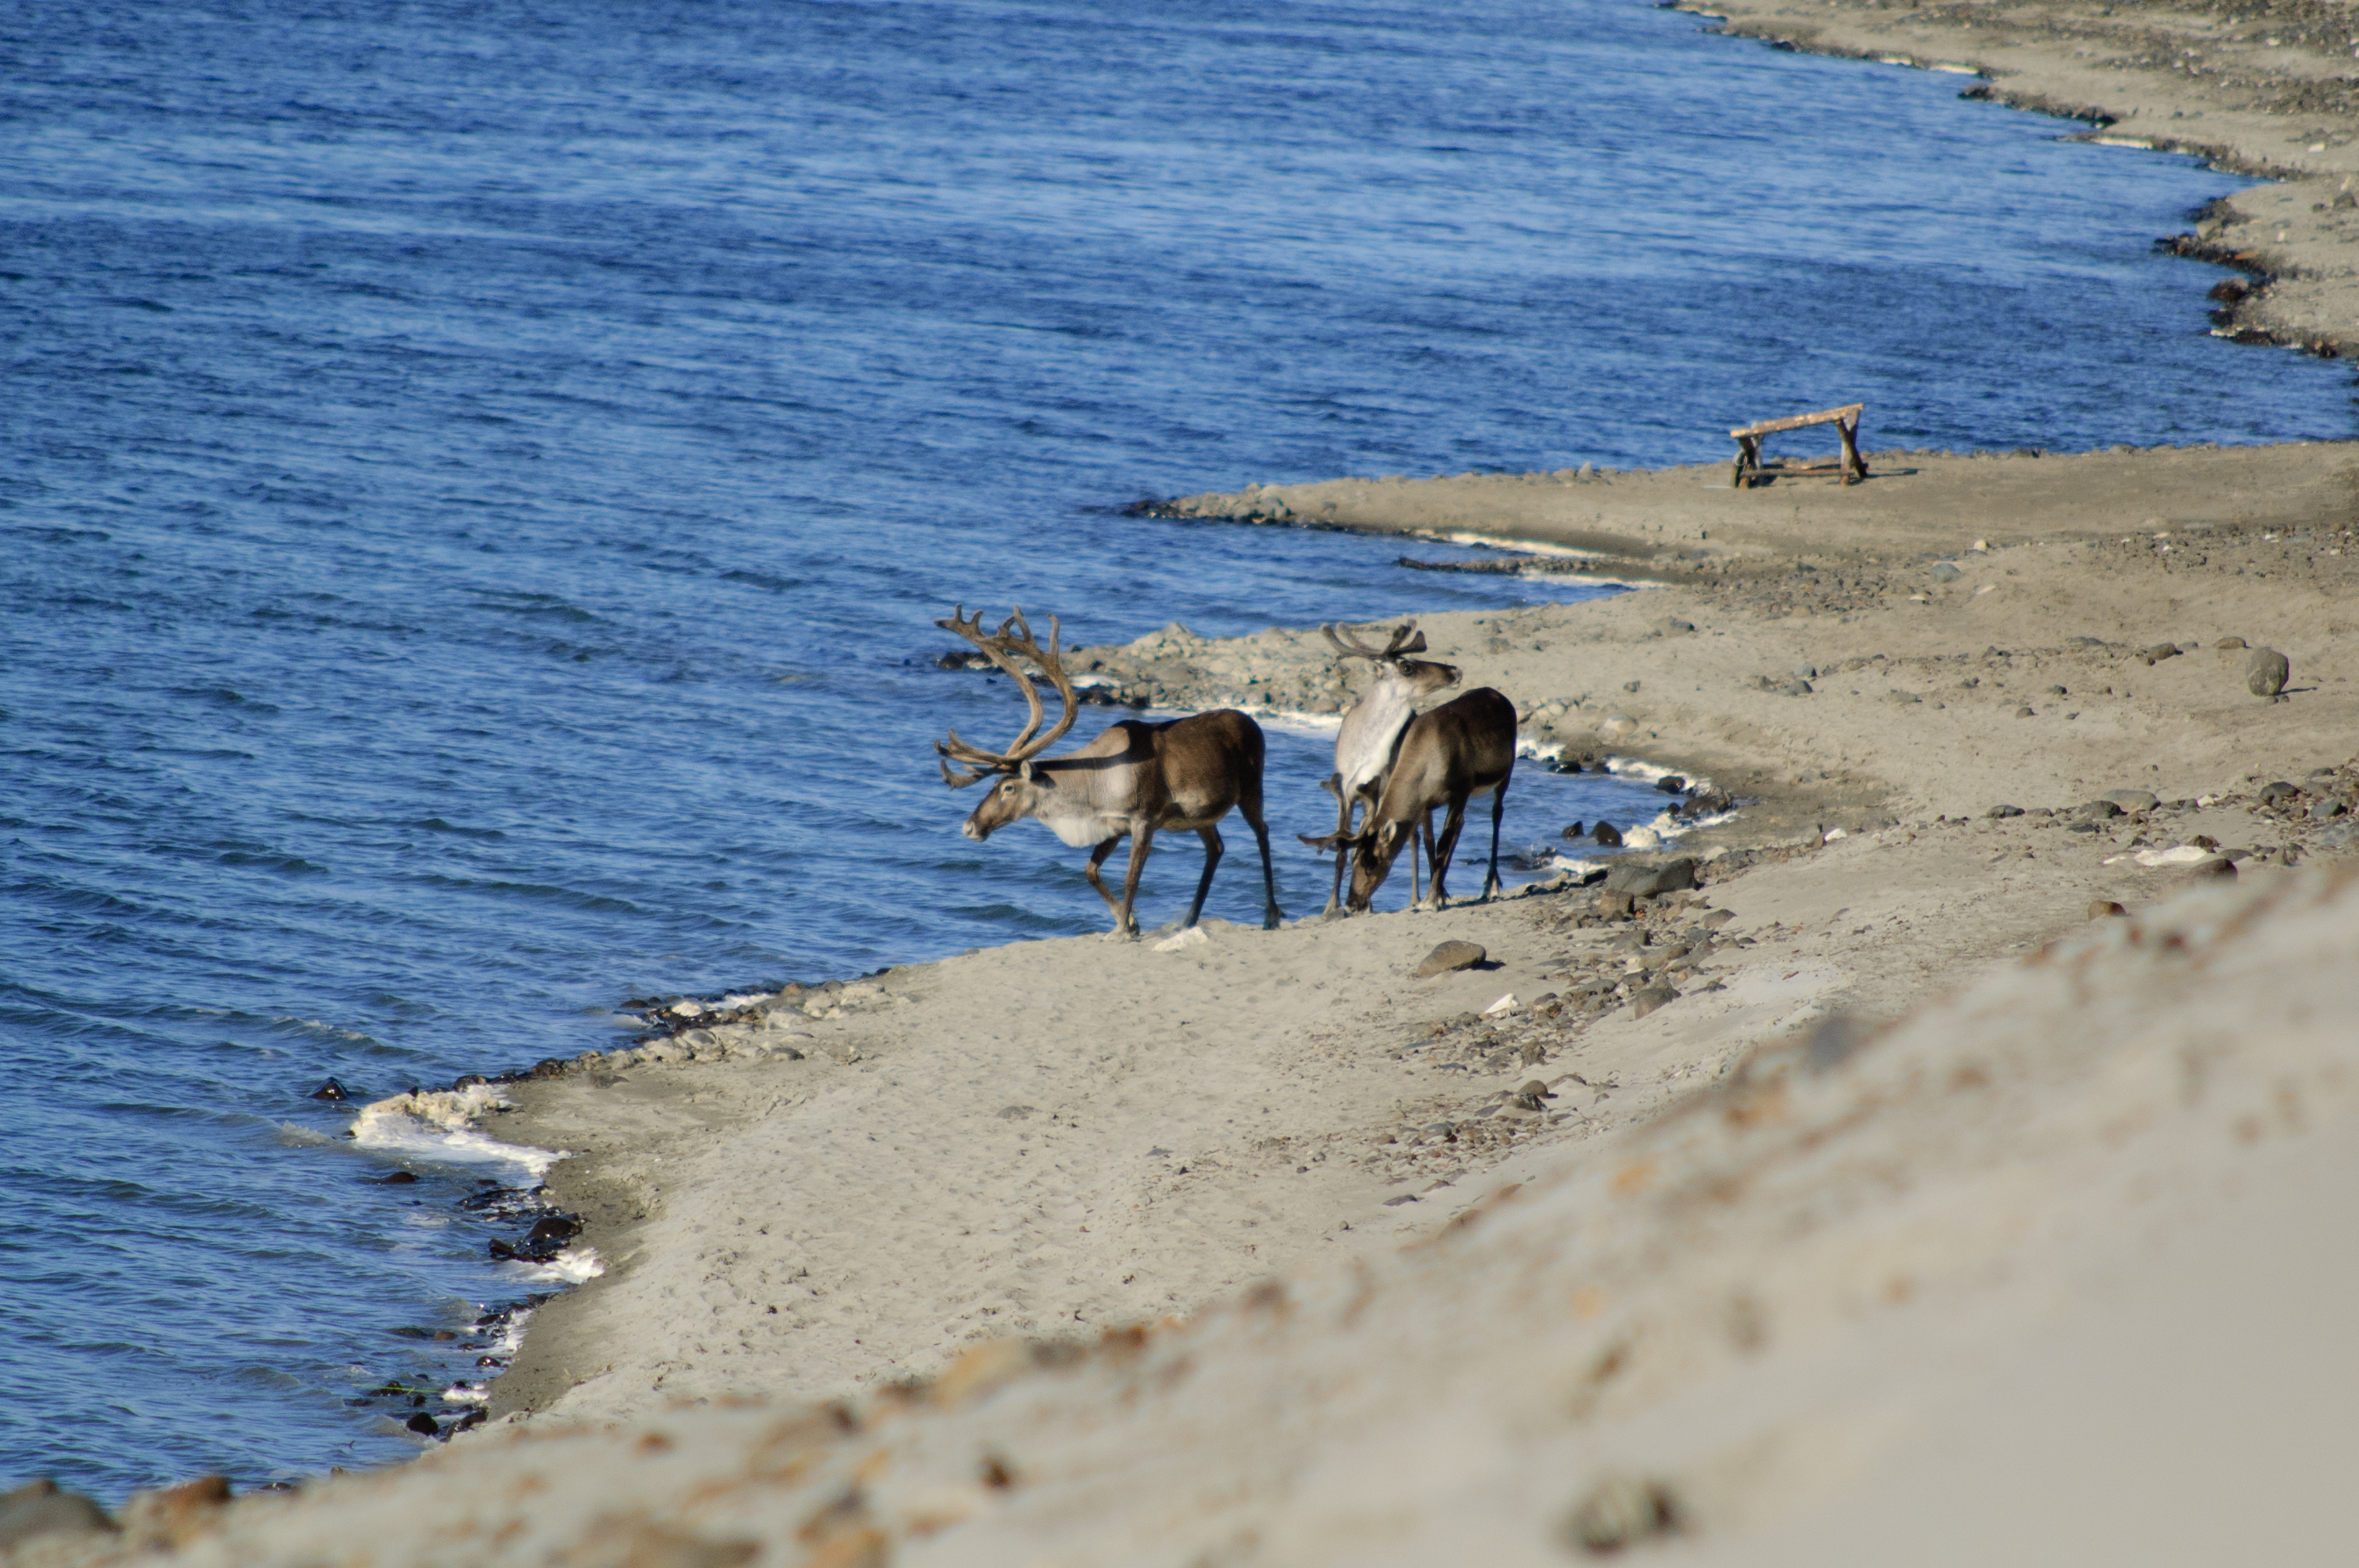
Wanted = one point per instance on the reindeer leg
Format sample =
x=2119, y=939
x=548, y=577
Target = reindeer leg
x=1271, y=916
x=1451, y=827
x=1415, y=897
x=1141, y=839
x=1498, y=808
x=1098, y=858
x=1212, y=847
x=1343, y=854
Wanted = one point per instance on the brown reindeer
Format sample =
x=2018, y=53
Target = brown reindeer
x=1134, y=779
x=1364, y=746
x=1448, y=755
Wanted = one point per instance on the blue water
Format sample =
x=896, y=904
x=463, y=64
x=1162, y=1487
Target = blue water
x=478, y=480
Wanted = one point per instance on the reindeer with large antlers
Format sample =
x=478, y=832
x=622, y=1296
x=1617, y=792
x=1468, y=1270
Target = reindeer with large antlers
x=1372, y=733
x=1132, y=781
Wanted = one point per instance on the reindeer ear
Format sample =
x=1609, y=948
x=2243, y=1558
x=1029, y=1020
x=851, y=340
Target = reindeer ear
x=1024, y=770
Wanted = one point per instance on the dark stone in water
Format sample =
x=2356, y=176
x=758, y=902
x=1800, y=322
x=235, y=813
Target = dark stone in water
x=1573, y=832
x=1671, y=785
x=556, y=1227
x=424, y=1425
x=398, y=1179
x=467, y=1081
x=1606, y=833
x=331, y=1091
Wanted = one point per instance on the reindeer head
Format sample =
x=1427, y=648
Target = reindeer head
x=1015, y=790
x=1423, y=677
x=1373, y=853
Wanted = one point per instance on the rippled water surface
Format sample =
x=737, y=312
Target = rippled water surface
x=478, y=480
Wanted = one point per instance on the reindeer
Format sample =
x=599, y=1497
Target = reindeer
x=1133, y=780
x=1447, y=756
x=1363, y=747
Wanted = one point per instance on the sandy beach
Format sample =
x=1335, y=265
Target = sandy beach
x=1279, y=1256
x=1957, y=1170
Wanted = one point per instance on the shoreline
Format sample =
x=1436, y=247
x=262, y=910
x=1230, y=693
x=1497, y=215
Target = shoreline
x=1810, y=801
x=962, y=1208
x=2224, y=84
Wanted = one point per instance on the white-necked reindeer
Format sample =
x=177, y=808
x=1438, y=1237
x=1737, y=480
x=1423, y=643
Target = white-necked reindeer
x=1372, y=733
x=1133, y=780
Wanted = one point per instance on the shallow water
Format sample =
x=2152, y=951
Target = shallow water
x=479, y=479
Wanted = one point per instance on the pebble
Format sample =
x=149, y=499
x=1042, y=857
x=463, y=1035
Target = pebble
x=2267, y=672
x=2024, y=712
x=1647, y=998
x=2133, y=799
x=2159, y=651
x=2211, y=867
x=2225, y=643
x=1796, y=689
x=38, y=1507
x=1533, y=1092
x=1621, y=1511
x=2003, y=810
x=1451, y=956
x=2103, y=907
x=2325, y=810
x=2273, y=792
x=1672, y=626
x=1946, y=571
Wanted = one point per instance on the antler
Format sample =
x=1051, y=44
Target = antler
x=1348, y=645
x=1014, y=639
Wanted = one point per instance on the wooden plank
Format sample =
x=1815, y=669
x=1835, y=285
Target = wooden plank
x=1795, y=421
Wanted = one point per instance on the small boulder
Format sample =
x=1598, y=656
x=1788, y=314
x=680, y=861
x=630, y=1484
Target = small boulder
x=1572, y=833
x=2159, y=652
x=2267, y=672
x=2098, y=810
x=1647, y=998
x=1606, y=834
x=2277, y=792
x=2004, y=810
x=2325, y=810
x=1451, y=956
x=2225, y=643
x=1946, y=571
x=2211, y=867
x=1672, y=626
x=331, y=1091
x=1671, y=783
x=1647, y=881
x=2133, y=799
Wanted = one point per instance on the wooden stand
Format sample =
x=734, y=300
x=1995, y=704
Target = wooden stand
x=1844, y=469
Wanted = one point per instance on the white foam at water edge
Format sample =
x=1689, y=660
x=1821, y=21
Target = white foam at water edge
x=1632, y=768
x=574, y=1266
x=438, y=1126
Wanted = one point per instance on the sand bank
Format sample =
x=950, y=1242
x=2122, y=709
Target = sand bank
x=2257, y=87
x=1252, y=1247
